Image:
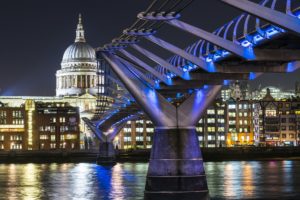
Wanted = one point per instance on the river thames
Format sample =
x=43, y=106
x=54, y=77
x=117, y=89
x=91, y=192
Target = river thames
x=226, y=180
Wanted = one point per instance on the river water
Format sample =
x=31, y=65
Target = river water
x=125, y=181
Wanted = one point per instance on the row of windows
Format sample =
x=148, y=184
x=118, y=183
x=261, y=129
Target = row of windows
x=62, y=137
x=61, y=145
x=15, y=114
x=241, y=130
x=211, y=129
x=138, y=139
x=52, y=129
x=212, y=137
x=213, y=112
x=241, y=106
x=213, y=120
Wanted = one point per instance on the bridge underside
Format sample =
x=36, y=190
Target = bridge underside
x=198, y=72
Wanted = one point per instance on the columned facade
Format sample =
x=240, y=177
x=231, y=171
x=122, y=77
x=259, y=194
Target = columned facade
x=78, y=73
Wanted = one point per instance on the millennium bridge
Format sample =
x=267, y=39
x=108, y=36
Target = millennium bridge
x=175, y=92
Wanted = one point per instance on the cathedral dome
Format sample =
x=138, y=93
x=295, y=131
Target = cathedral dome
x=80, y=51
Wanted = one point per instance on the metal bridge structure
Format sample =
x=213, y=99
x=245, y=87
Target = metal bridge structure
x=263, y=39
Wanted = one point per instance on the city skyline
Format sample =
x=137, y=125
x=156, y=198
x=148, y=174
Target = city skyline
x=33, y=42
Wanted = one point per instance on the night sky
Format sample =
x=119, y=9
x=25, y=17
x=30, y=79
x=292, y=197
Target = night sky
x=35, y=33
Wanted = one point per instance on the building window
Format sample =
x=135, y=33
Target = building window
x=211, y=129
x=2, y=114
x=127, y=130
x=221, y=129
x=211, y=120
x=139, y=129
x=283, y=120
x=291, y=128
x=291, y=135
x=200, y=138
x=62, y=145
x=15, y=137
x=271, y=113
x=232, y=106
x=283, y=128
x=245, y=114
x=246, y=130
x=221, y=112
x=283, y=135
x=149, y=130
x=232, y=122
x=62, y=138
x=17, y=114
x=15, y=146
x=71, y=137
x=2, y=146
x=52, y=137
x=53, y=120
x=211, y=137
x=52, y=145
x=62, y=119
x=232, y=114
x=287, y=105
x=210, y=112
x=221, y=121
x=1, y=137
x=44, y=137
x=18, y=121
x=221, y=138
x=199, y=129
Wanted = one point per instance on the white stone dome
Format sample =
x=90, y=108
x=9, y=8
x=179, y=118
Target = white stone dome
x=79, y=52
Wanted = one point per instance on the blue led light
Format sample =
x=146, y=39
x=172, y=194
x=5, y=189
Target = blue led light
x=226, y=82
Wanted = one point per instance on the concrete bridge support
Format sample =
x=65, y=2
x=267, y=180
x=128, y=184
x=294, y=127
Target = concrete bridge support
x=107, y=153
x=176, y=168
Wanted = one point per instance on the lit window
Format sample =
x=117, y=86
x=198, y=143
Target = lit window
x=232, y=122
x=210, y=112
x=232, y=106
x=199, y=129
x=62, y=119
x=221, y=129
x=211, y=120
x=271, y=113
x=211, y=129
x=232, y=114
x=221, y=121
x=220, y=112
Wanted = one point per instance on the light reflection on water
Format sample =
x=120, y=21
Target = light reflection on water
x=226, y=180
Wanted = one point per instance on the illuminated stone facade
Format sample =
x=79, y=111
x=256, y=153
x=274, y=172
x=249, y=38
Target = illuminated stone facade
x=78, y=73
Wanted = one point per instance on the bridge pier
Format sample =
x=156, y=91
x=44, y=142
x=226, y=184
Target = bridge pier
x=176, y=166
x=106, y=154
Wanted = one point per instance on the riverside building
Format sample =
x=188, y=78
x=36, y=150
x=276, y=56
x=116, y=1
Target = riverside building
x=39, y=126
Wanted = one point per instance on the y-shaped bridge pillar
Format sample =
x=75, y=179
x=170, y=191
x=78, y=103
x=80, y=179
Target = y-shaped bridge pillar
x=107, y=153
x=176, y=168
